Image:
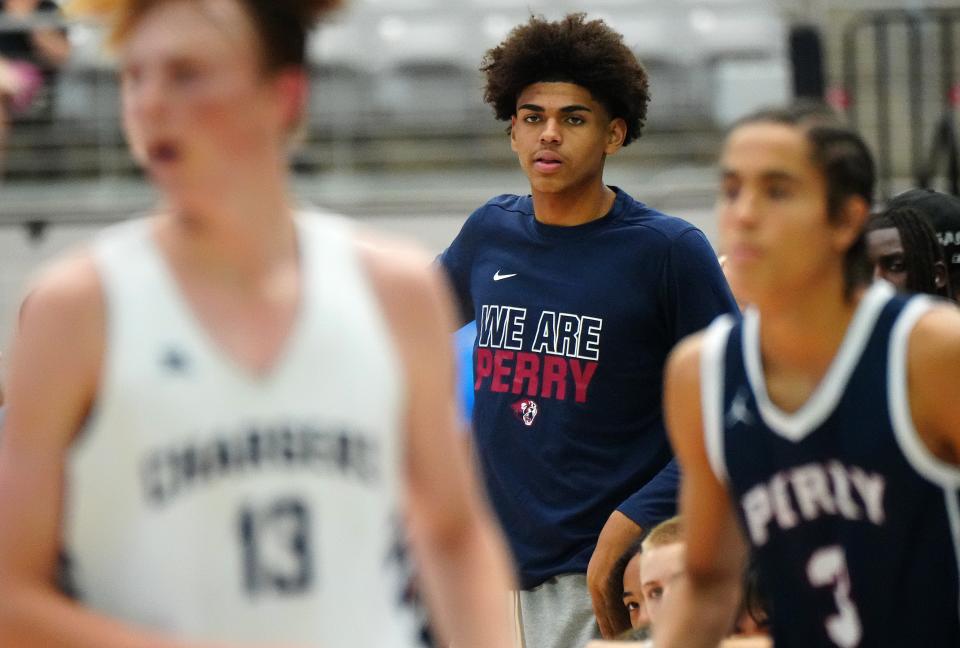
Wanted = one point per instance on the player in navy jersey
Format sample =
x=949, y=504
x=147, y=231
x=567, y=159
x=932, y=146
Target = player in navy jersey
x=821, y=431
x=579, y=292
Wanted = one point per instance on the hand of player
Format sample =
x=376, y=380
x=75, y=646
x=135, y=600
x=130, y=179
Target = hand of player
x=616, y=537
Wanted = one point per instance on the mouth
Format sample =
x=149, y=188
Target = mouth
x=547, y=162
x=744, y=252
x=163, y=153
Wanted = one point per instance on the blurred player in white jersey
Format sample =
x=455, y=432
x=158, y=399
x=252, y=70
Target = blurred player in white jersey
x=219, y=415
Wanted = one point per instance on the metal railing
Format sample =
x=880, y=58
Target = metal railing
x=876, y=28
x=945, y=149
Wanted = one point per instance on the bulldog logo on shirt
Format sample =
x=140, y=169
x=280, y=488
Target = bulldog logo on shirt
x=526, y=410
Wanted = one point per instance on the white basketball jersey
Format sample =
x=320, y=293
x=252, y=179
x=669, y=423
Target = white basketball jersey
x=210, y=503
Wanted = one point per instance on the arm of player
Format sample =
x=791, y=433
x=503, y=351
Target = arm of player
x=616, y=536
x=933, y=373
x=460, y=553
x=53, y=373
x=654, y=502
x=700, y=610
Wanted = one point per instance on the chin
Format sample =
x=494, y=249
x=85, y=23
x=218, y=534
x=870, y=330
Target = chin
x=182, y=196
x=744, y=290
x=174, y=188
x=549, y=185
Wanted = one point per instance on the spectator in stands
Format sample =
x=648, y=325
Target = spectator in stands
x=904, y=250
x=943, y=211
x=30, y=53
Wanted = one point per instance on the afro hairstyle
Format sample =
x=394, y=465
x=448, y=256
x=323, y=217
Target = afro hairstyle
x=575, y=50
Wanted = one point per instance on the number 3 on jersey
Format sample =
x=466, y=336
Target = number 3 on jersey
x=828, y=567
x=275, y=543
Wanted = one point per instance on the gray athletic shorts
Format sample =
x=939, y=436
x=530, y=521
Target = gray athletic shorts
x=556, y=614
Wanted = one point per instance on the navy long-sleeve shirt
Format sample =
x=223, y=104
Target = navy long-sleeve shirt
x=574, y=325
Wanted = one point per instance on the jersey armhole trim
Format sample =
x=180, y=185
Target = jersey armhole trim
x=106, y=248
x=952, y=502
x=914, y=450
x=711, y=392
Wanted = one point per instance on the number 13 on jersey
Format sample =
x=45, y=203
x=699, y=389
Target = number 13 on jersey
x=275, y=542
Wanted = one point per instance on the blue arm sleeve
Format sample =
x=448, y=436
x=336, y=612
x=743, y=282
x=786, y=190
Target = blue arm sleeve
x=656, y=501
x=463, y=343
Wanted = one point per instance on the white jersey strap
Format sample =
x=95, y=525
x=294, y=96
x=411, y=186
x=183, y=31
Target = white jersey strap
x=915, y=451
x=711, y=391
x=913, y=448
x=796, y=426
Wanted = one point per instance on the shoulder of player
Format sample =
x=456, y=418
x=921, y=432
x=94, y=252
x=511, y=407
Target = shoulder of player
x=933, y=372
x=500, y=210
x=933, y=351
x=683, y=364
x=391, y=259
x=670, y=229
x=935, y=338
x=403, y=276
x=68, y=291
x=682, y=392
x=58, y=347
x=507, y=203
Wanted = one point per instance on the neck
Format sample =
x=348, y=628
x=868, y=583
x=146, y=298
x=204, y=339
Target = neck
x=804, y=328
x=242, y=232
x=575, y=206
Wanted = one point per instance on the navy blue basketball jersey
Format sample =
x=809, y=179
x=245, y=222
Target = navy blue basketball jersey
x=853, y=523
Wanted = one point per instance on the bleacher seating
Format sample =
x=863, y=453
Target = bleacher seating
x=409, y=68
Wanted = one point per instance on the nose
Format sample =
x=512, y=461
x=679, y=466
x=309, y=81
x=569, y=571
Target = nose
x=744, y=208
x=551, y=132
x=145, y=97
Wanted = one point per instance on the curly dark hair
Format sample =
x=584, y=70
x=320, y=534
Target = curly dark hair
x=573, y=50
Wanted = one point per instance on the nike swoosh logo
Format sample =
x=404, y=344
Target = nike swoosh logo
x=500, y=277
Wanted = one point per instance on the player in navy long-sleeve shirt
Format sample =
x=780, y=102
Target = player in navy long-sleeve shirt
x=579, y=293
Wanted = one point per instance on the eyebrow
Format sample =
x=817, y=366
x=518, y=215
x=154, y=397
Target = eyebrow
x=565, y=109
x=767, y=176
